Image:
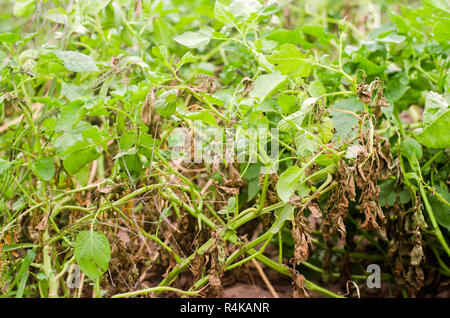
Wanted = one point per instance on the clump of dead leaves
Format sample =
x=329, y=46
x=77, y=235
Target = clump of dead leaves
x=373, y=163
x=406, y=251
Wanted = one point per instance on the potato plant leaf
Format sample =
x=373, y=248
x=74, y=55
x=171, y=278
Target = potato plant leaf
x=195, y=39
x=440, y=209
x=290, y=60
x=266, y=84
x=436, y=119
x=45, y=168
x=92, y=253
x=76, y=61
x=288, y=182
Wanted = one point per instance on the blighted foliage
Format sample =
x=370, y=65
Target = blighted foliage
x=167, y=148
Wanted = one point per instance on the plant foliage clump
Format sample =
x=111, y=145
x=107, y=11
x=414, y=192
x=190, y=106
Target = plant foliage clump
x=175, y=147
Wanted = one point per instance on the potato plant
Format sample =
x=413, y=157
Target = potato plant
x=175, y=148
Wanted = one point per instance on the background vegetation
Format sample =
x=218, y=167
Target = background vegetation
x=91, y=94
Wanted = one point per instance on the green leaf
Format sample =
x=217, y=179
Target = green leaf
x=266, y=84
x=44, y=168
x=195, y=39
x=252, y=189
x=188, y=57
x=9, y=37
x=411, y=148
x=22, y=273
x=397, y=87
x=76, y=61
x=436, y=134
x=71, y=115
x=436, y=119
x=127, y=141
x=441, y=32
x=243, y=8
x=76, y=160
x=316, y=89
x=4, y=165
x=92, y=253
x=388, y=194
x=282, y=215
x=440, y=209
x=326, y=129
x=166, y=105
x=344, y=123
x=440, y=4
x=288, y=182
x=290, y=60
x=368, y=66
x=222, y=13
x=230, y=207
x=162, y=32
x=287, y=103
x=283, y=36
x=131, y=163
x=204, y=116
x=305, y=144
x=23, y=8
x=435, y=106
x=160, y=52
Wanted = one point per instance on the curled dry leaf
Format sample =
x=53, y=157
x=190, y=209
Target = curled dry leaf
x=302, y=239
x=299, y=281
x=364, y=93
x=315, y=210
x=339, y=200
